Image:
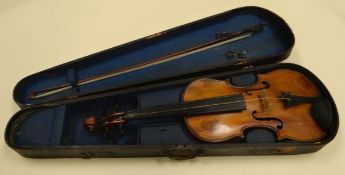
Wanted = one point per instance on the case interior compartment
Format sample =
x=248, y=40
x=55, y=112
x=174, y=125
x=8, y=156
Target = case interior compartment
x=63, y=125
x=271, y=44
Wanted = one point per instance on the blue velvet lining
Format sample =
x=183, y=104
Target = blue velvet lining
x=41, y=128
x=275, y=39
x=157, y=135
x=162, y=97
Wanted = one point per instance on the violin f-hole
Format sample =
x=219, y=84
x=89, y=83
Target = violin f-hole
x=279, y=126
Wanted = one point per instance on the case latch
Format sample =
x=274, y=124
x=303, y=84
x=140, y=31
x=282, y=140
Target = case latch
x=182, y=152
x=239, y=57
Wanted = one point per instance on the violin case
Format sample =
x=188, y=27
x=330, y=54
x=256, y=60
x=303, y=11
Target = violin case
x=52, y=126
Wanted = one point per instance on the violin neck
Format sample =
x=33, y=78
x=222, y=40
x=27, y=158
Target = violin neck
x=231, y=103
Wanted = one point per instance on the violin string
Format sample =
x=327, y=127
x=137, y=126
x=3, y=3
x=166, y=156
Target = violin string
x=201, y=106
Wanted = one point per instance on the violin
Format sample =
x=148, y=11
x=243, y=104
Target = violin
x=217, y=111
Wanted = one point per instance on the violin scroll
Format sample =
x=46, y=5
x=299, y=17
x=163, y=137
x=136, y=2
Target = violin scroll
x=92, y=124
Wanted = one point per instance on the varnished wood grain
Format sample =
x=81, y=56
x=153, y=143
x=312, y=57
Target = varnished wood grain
x=298, y=124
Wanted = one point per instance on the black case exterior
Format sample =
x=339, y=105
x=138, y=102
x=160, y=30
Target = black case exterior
x=174, y=151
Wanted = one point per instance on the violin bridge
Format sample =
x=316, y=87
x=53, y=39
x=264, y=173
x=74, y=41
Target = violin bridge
x=265, y=100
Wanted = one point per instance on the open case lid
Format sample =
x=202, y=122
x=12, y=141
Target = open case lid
x=242, y=37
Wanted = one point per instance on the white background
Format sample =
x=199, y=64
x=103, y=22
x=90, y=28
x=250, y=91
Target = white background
x=36, y=35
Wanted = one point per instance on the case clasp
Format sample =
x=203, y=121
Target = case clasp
x=182, y=152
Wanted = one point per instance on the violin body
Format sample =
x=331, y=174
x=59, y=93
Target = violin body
x=265, y=108
x=216, y=111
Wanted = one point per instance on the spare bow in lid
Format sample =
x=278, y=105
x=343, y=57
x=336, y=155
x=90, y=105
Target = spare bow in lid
x=242, y=37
